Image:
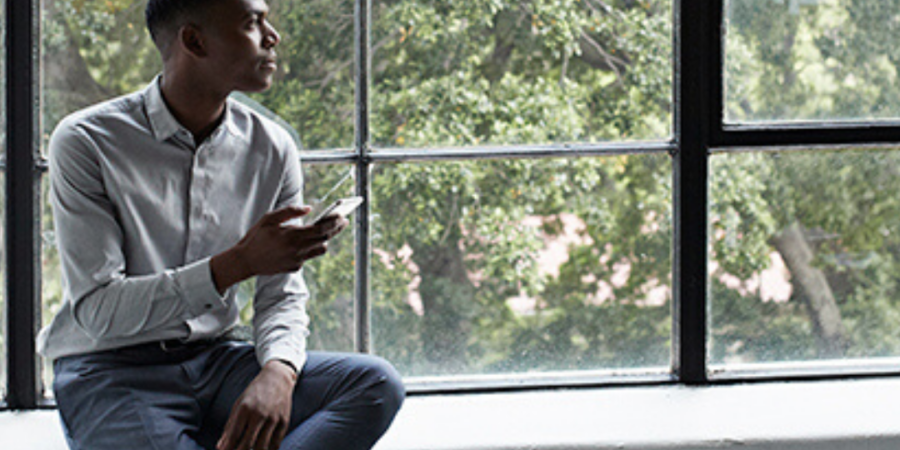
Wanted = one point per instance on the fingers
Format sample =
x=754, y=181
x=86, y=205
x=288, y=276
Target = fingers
x=278, y=434
x=321, y=231
x=284, y=214
x=233, y=430
x=313, y=252
x=264, y=439
x=261, y=435
x=243, y=432
x=333, y=223
x=251, y=434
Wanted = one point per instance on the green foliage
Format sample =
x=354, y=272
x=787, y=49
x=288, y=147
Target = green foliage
x=741, y=218
x=831, y=60
x=746, y=327
x=463, y=275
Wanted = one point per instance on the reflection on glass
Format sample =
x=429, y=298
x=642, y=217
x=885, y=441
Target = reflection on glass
x=811, y=60
x=524, y=72
x=805, y=261
x=522, y=265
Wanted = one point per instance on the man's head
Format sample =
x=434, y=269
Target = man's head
x=166, y=17
x=226, y=40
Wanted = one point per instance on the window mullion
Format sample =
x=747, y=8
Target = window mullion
x=698, y=82
x=780, y=136
x=363, y=186
x=22, y=181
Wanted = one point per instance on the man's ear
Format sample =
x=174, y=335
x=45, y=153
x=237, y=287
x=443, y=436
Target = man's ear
x=191, y=39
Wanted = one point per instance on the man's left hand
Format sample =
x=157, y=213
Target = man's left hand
x=260, y=416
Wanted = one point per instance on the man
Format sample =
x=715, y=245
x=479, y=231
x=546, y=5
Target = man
x=164, y=200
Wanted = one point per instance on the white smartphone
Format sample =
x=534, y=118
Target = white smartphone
x=342, y=207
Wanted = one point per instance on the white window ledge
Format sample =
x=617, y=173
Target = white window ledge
x=859, y=414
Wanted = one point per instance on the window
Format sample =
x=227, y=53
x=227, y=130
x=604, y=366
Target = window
x=576, y=192
x=801, y=270
x=803, y=60
x=803, y=261
x=526, y=73
x=508, y=266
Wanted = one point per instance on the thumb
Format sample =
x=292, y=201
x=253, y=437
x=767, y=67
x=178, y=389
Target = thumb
x=284, y=214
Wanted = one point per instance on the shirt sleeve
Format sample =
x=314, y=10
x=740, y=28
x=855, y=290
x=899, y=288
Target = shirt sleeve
x=280, y=321
x=106, y=303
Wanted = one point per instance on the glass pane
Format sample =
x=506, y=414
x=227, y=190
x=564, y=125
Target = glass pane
x=811, y=60
x=97, y=49
x=520, y=72
x=92, y=50
x=331, y=278
x=805, y=261
x=518, y=266
x=314, y=85
x=51, y=279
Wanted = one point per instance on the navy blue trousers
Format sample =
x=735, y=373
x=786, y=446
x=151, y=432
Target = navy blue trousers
x=149, y=398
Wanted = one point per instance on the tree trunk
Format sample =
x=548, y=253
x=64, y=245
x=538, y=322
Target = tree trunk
x=66, y=73
x=817, y=295
x=495, y=66
x=447, y=300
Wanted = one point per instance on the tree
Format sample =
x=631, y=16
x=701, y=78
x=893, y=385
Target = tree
x=458, y=243
x=828, y=215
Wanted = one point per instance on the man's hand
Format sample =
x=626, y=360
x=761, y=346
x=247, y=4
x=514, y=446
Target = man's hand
x=260, y=416
x=270, y=247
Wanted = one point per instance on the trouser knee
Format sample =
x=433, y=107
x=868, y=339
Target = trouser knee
x=385, y=387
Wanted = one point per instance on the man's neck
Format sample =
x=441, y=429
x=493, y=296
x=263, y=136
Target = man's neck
x=194, y=105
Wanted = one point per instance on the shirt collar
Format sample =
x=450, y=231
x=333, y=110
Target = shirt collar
x=163, y=123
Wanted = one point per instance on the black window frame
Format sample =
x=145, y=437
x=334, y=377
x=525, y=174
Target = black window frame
x=699, y=131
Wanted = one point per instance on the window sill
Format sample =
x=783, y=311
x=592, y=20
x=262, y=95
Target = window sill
x=792, y=416
x=819, y=415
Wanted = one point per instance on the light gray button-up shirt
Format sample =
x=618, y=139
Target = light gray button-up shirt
x=139, y=209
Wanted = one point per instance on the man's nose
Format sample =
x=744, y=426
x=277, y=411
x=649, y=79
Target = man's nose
x=272, y=38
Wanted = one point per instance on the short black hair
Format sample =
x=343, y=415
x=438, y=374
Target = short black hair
x=165, y=17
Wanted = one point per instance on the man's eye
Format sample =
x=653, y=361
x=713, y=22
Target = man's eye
x=257, y=20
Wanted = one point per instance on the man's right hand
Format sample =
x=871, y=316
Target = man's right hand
x=270, y=247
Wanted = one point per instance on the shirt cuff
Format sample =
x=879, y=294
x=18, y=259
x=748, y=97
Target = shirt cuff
x=197, y=288
x=284, y=352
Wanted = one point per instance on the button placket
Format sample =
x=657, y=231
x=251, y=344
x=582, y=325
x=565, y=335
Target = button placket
x=197, y=214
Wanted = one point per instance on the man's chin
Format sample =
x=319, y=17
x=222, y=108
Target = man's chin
x=257, y=85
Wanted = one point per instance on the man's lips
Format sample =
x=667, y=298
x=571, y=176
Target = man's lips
x=269, y=63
